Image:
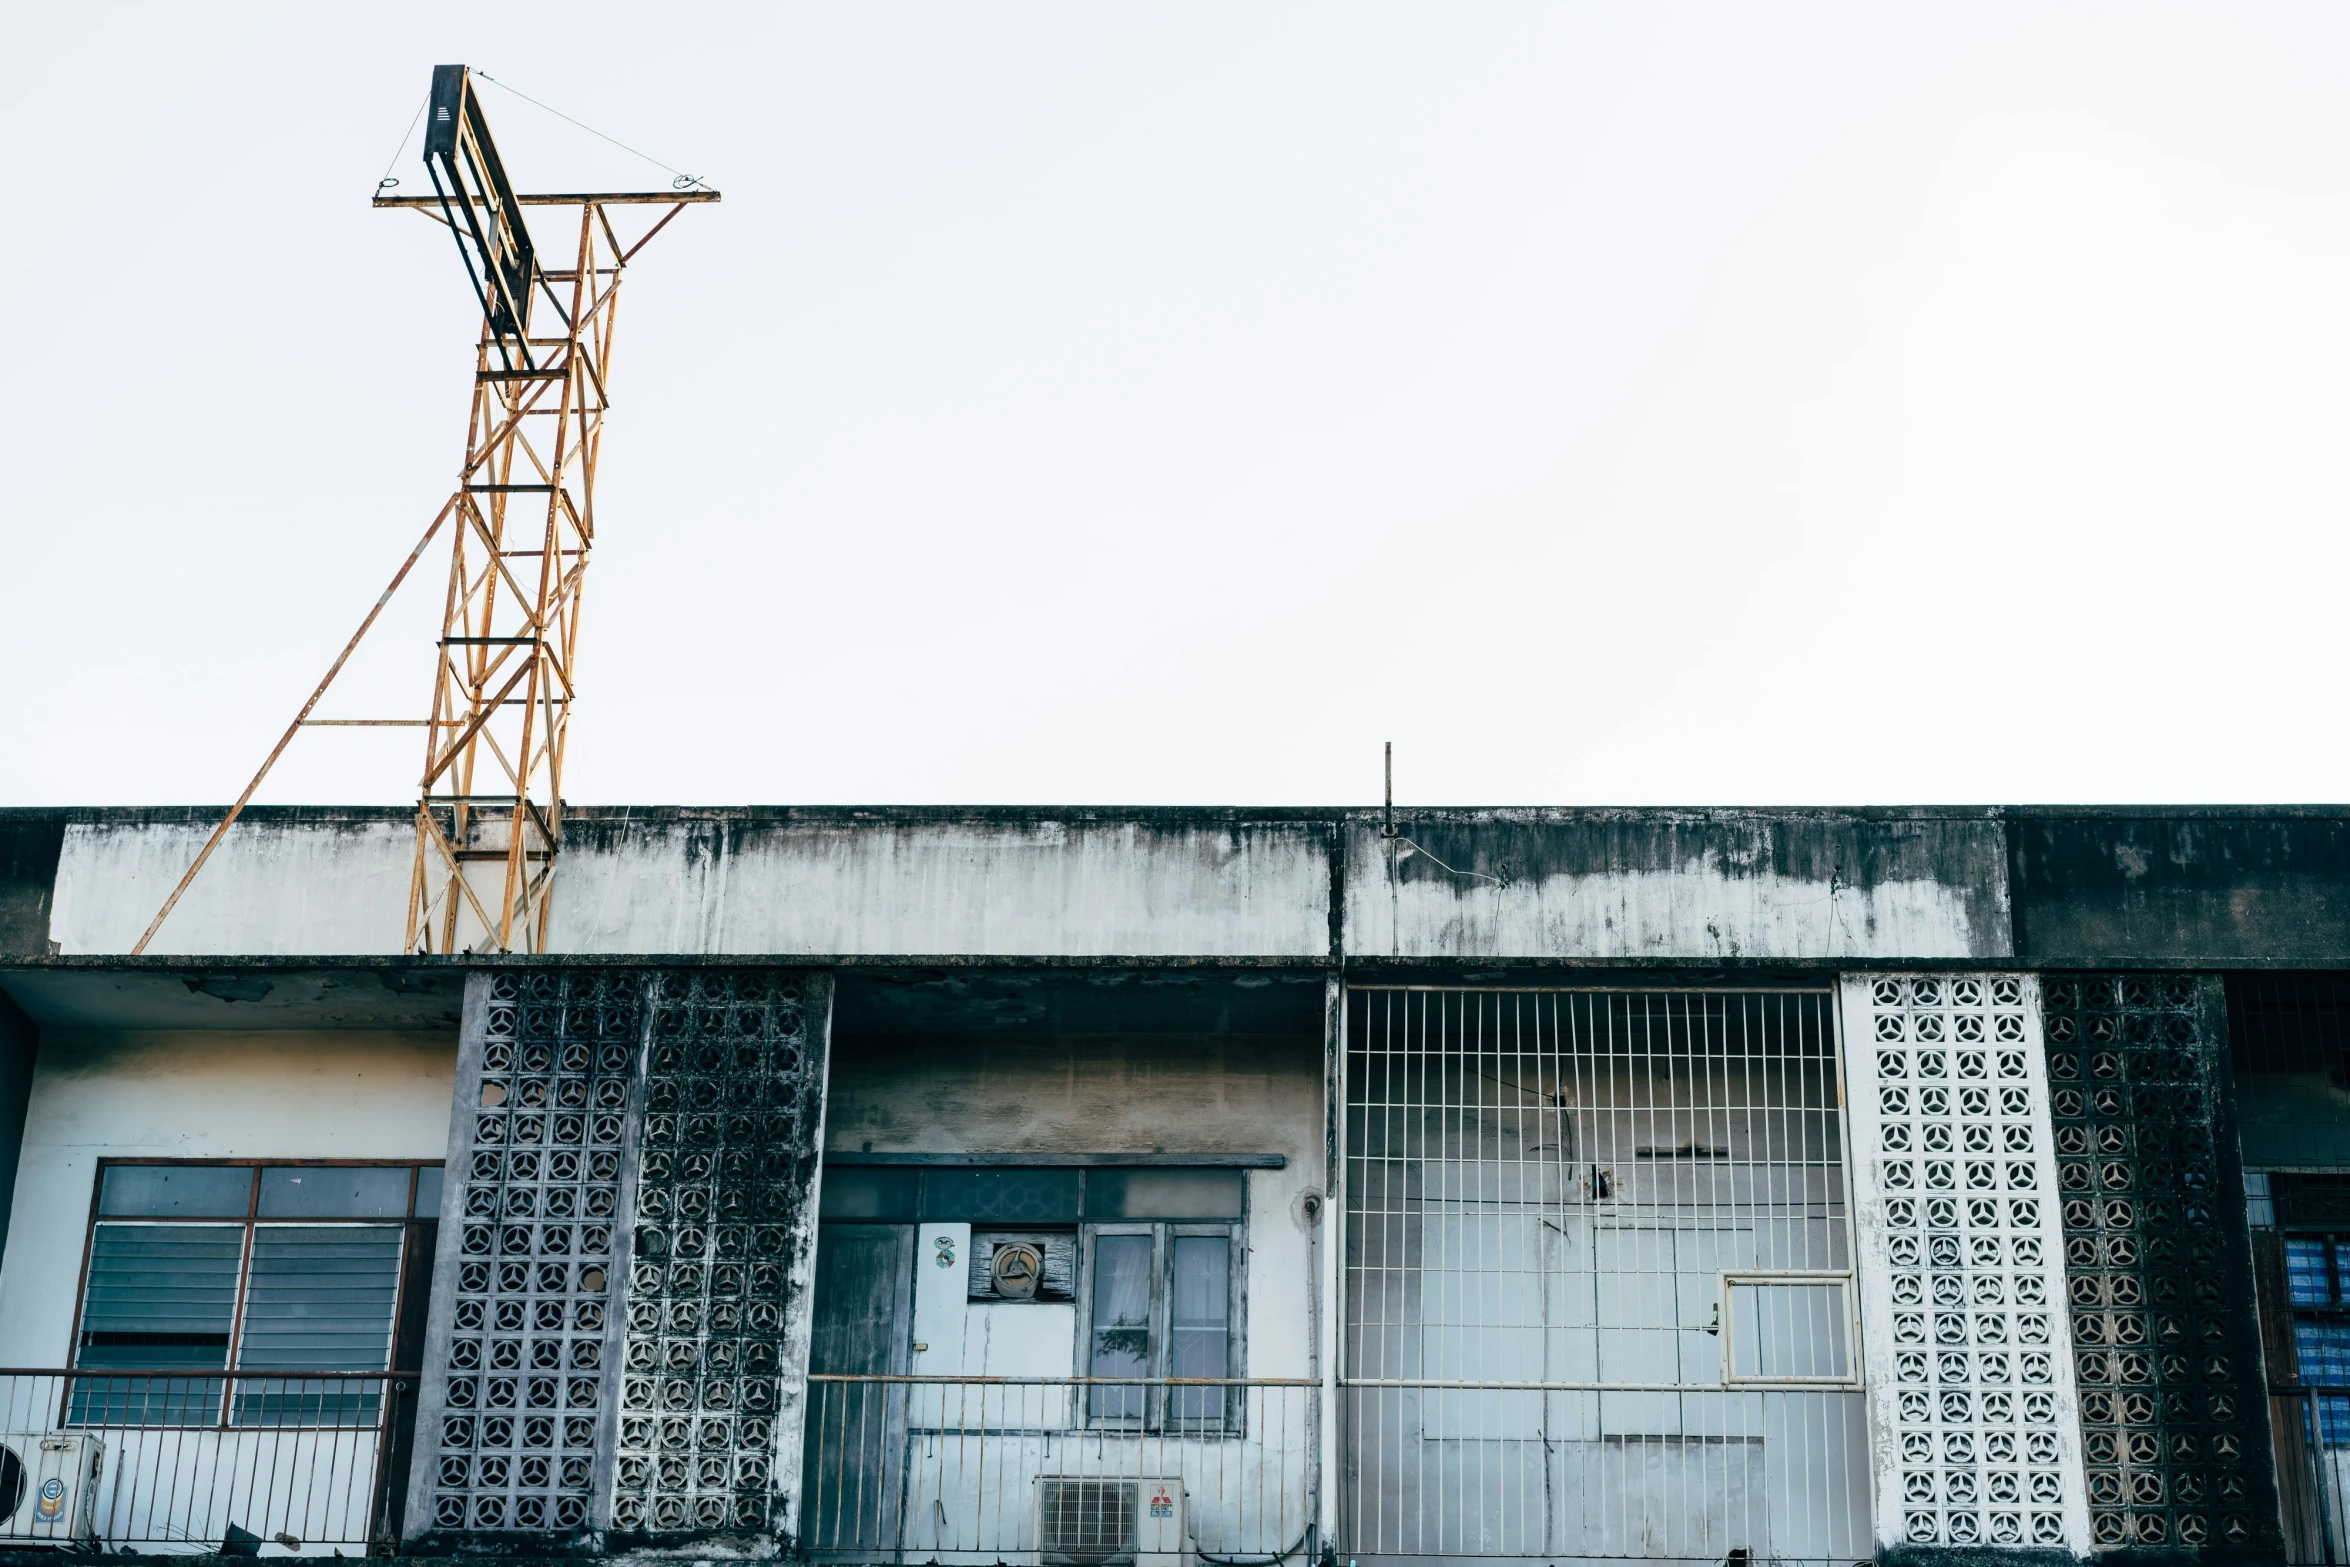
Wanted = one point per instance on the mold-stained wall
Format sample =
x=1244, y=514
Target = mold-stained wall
x=270, y=1094
x=1030, y=888
x=2036, y=886
x=298, y=882
x=1677, y=884
x=1136, y=1093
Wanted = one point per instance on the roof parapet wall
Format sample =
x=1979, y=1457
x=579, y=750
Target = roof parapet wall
x=2210, y=886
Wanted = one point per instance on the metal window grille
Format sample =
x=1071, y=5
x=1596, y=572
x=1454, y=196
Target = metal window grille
x=1558, y=1202
x=2289, y=1036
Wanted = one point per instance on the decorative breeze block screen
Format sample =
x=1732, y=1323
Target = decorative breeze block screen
x=1965, y=1338
x=619, y=1309
x=2174, y=1428
x=511, y=1427
x=733, y=1096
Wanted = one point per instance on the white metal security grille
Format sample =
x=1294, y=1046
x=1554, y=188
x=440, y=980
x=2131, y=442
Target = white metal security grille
x=1969, y=1355
x=1598, y=1278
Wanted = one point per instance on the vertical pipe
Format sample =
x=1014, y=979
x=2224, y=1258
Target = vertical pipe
x=1330, y=1308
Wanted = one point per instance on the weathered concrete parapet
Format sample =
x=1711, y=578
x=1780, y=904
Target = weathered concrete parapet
x=1086, y=883
x=1645, y=884
x=2032, y=886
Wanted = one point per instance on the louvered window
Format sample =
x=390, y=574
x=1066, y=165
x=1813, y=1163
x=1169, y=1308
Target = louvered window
x=200, y=1269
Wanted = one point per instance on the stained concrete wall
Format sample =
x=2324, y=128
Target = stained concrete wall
x=276, y=1094
x=283, y=882
x=2183, y=888
x=1678, y=884
x=20, y=1044
x=1021, y=1093
x=2216, y=886
x=717, y=883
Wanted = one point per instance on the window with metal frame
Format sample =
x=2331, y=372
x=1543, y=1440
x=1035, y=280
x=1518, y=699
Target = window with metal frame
x=197, y=1268
x=1161, y=1300
x=1597, y=1278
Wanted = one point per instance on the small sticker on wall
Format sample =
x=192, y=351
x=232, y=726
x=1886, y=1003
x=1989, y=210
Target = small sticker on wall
x=52, y=1499
x=946, y=1250
x=1162, y=1504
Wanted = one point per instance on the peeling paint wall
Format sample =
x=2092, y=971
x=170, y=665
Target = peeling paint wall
x=280, y=1094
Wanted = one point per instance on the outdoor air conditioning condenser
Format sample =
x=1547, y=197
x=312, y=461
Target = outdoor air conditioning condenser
x=1093, y=1522
x=48, y=1485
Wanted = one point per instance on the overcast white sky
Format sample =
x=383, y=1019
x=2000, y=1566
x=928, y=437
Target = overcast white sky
x=1113, y=403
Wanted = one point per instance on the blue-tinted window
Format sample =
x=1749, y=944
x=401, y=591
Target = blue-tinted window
x=2305, y=1273
x=2323, y=1352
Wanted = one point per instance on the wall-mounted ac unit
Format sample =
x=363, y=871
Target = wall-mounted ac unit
x=48, y=1485
x=1082, y=1521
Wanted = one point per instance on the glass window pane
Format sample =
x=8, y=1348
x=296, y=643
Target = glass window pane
x=1121, y=1322
x=321, y=1297
x=2305, y=1273
x=160, y=1296
x=1199, y=1326
x=1001, y=1196
x=2260, y=1208
x=2323, y=1352
x=348, y=1192
x=1163, y=1194
x=863, y=1192
x=176, y=1191
x=428, y=1192
x=1788, y=1330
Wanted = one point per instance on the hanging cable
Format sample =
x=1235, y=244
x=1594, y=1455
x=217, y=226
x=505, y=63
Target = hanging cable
x=683, y=180
x=388, y=182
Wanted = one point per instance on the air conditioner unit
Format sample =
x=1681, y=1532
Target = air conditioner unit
x=48, y=1485
x=1084, y=1521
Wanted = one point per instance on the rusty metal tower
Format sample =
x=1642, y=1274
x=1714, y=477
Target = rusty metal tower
x=521, y=525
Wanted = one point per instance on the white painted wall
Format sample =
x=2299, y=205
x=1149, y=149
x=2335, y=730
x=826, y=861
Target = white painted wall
x=276, y=1094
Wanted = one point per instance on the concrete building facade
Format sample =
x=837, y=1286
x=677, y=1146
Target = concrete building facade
x=1092, y=1185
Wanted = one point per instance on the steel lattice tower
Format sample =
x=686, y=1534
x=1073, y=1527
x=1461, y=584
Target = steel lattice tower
x=521, y=524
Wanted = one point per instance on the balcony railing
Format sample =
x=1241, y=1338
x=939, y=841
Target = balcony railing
x=259, y=1463
x=945, y=1469
x=2310, y=1427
